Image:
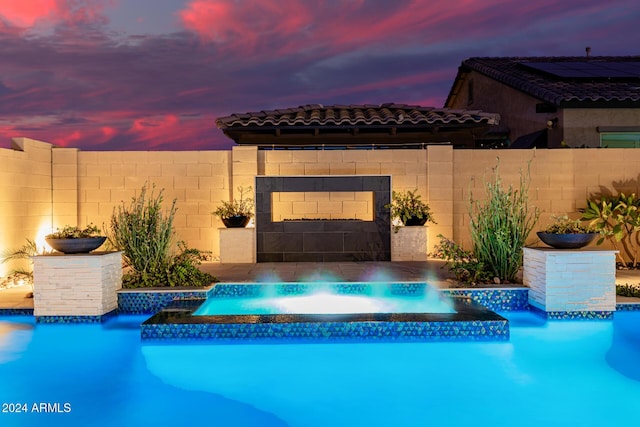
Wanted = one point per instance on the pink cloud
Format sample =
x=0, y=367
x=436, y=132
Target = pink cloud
x=243, y=24
x=28, y=13
x=25, y=13
x=268, y=27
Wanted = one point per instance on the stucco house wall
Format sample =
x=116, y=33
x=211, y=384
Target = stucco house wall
x=517, y=110
x=576, y=127
x=581, y=124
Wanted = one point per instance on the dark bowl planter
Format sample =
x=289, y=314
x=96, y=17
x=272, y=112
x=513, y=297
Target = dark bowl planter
x=567, y=241
x=415, y=221
x=236, y=221
x=76, y=246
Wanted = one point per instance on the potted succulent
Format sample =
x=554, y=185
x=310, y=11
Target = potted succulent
x=237, y=212
x=74, y=240
x=406, y=207
x=566, y=233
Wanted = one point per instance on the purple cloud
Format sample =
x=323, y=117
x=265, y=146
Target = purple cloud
x=69, y=77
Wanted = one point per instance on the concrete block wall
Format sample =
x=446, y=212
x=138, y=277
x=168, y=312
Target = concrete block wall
x=25, y=197
x=561, y=180
x=64, y=177
x=44, y=187
x=408, y=167
x=197, y=180
x=322, y=205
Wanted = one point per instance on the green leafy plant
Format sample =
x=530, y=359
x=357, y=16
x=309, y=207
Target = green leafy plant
x=628, y=290
x=24, y=252
x=500, y=224
x=144, y=233
x=616, y=218
x=74, y=232
x=564, y=225
x=463, y=264
x=236, y=207
x=407, y=204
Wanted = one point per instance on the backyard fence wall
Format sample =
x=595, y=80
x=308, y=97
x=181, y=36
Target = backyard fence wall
x=43, y=187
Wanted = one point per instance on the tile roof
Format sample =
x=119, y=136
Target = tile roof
x=556, y=89
x=357, y=115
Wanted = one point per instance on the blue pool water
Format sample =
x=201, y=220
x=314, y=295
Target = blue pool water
x=327, y=298
x=552, y=373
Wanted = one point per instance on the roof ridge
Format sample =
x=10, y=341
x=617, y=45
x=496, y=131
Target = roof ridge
x=355, y=114
x=545, y=84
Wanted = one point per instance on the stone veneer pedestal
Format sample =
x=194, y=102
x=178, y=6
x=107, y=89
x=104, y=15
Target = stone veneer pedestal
x=238, y=245
x=76, y=288
x=564, y=281
x=409, y=244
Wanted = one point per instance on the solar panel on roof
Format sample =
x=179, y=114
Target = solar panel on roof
x=587, y=69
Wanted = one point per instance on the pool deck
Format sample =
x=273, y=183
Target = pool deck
x=409, y=271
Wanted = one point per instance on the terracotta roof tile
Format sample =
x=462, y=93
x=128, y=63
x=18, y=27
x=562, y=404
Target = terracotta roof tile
x=357, y=115
x=515, y=72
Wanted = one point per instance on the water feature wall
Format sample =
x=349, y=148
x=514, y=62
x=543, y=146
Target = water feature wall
x=323, y=240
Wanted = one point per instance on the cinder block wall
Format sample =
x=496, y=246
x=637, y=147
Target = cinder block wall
x=561, y=179
x=197, y=180
x=44, y=187
x=25, y=196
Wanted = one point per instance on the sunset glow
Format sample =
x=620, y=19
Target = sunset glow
x=112, y=75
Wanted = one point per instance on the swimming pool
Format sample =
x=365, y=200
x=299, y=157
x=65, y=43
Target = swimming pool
x=550, y=373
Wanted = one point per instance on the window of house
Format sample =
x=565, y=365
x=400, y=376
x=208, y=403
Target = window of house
x=620, y=139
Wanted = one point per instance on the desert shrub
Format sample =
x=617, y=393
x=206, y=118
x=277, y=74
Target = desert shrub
x=463, y=264
x=143, y=231
x=628, y=290
x=617, y=218
x=500, y=224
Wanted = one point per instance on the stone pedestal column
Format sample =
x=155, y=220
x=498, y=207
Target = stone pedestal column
x=409, y=244
x=76, y=288
x=571, y=283
x=237, y=245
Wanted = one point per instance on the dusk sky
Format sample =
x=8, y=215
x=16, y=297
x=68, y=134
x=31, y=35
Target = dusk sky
x=155, y=74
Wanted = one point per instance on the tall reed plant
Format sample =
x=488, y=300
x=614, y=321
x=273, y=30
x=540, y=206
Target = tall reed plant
x=143, y=231
x=501, y=223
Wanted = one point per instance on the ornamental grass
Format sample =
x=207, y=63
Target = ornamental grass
x=501, y=223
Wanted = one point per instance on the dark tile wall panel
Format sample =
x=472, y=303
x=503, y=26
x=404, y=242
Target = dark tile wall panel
x=313, y=241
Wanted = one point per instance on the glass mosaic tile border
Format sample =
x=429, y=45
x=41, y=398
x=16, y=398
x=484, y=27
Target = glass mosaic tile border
x=471, y=322
x=573, y=315
x=628, y=306
x=16, y=311
x=496, y=299
x=152, y=301
x=76, y=318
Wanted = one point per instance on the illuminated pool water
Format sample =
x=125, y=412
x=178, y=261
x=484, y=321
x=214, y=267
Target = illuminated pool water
x=556, y=373
x=327, y=298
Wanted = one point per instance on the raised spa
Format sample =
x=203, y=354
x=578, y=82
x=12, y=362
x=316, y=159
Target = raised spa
x=326, y=298
x=325, y=312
